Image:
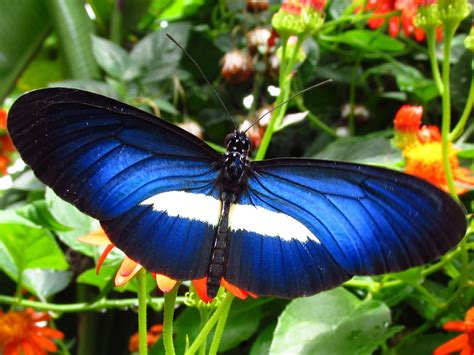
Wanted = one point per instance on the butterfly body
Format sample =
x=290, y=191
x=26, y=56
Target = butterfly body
x=281, y=227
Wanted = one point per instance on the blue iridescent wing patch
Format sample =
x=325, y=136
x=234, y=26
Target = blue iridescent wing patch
x=360, y=220
x=107, y=158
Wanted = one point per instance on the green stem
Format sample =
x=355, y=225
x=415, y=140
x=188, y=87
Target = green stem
x=116, y=22
x=284, y=83
x=142, y=306
x=449, y=31
x=156, y=303
x=352, y=97
x=202, y=336
x=315, y=119
x=431, y=40
x=204, y=314
x=458, y=130
x=170, y=303
x=428, y=296
x=226, y=303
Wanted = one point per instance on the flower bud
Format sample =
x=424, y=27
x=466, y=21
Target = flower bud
x=257, y=5
x=453, y=11
x=237, y=66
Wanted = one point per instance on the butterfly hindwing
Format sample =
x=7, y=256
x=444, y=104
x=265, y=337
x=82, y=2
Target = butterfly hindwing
x=107, y=158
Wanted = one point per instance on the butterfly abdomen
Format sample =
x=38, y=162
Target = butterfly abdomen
x=218, y=263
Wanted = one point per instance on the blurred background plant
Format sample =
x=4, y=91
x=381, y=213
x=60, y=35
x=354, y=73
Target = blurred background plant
x=381, y=55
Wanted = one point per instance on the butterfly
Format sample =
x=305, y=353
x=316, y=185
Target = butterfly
x=285, y=227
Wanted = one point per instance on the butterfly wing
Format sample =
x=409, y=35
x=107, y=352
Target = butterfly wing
x=326, y=221
x=109, y=159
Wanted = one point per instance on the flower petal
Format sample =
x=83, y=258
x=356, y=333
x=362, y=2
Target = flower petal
x=128, y=269
x=97, y=237
x=102, y=257
x=201, y=289
x=164, y=283
x=455, y=344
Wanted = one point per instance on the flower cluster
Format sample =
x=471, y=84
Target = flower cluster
x=297, y=17
x=6, y=145
x=463, y=343
x=129, y=268
x=422, y=149
x=23, y=332
x=408, y=10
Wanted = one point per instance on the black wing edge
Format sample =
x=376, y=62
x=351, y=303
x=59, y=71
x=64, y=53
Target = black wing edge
x=32, y=105
x=455, y=212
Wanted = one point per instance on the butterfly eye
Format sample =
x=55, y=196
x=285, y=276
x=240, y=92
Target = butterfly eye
x=229, y=138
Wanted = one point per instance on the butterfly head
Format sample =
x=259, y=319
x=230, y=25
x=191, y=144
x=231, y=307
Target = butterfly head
x=237, y=142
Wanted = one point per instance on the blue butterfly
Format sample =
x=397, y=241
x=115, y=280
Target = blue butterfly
x=279, y=227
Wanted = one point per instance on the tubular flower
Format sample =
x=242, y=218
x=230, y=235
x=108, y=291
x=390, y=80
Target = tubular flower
x=406, y=19
x=299, y=16
x=129, y=268
x=152, y=336
x=407, y=124
x=6, y=145
x=464, y=343
x=21, y=332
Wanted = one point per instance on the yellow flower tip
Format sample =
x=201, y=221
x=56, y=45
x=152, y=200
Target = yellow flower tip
x=165, y=283
x=128, y=269
x=97, y=238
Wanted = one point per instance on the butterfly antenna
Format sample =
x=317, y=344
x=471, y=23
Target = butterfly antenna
x=289, y=99
x=204, y=76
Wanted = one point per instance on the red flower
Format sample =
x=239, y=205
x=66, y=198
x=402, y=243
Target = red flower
x=407, y=124
x=152, y=336
x=129, y=268
x=6, y=145
x=22, y=332
x=408, y=9
x=463, y=343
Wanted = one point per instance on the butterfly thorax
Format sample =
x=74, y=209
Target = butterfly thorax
x=232, y=181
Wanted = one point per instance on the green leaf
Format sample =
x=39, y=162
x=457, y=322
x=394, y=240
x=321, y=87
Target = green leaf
x=114, y=60
x=27, y=181
x=408, y=79
x=23, y=26
x=46, y=283
x=263, y=342
x=70, y=216
x=180, y=8
x=38, y=213
x=371, y=149
x=156, y=56
x=74, y=29
x=32, y=247
x=370, y=41
x=425, y=343
x=333, y=322
x=244, y=319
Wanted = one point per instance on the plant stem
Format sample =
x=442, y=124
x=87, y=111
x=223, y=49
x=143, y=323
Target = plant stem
x=204, y=314
x=156, y=303
x=226, y=303
x=315, y=119
x=431, y=40
x=170, y=303
x=206, y=329
x=352, y=97
x=142, y=305
x=458, y=130
x=449, y=31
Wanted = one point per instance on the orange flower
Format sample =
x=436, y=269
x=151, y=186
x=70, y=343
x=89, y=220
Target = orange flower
x=152, y=336
x=463, y=343
x=21, y=333
x=408, y=10
x=425, y=160
x=407, y=124
x=6, y=145
x=129, y=268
